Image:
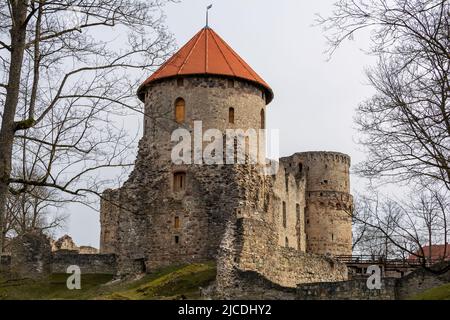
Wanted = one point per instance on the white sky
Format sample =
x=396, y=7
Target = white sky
x=315, y=99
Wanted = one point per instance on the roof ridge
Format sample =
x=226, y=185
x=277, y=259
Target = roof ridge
x=190, y=52
x=224, y=58
x=206, y=50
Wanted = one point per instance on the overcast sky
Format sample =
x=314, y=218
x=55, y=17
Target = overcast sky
x=315, y=99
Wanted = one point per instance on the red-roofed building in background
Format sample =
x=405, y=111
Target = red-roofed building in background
x=438, y=252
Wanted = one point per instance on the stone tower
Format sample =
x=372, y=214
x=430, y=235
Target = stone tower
x=171, y=212
x=328, y=204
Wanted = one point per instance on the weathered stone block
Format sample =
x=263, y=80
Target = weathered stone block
x=31, y=256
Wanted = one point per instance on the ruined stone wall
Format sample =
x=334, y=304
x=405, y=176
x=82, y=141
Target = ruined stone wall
x=202, y=209
x=287, y=191
x=64, y=243
x=88, y=250
x=149, y=224
x=138, y=220
x=58, y=262
x=253, y=286
x=31, y=255
x=109, y=221
x=250, y=285
x=88, y=263
x=348, y=290
x=422, y=280
x=404, y=288
x=328, y=201
x=284, y=266
x=255, y=239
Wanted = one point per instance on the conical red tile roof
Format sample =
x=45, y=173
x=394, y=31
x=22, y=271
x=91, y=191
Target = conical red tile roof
x=208, y=54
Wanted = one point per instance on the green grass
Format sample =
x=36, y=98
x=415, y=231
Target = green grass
x=174, y=282
x=53, y=288
x=439, y=293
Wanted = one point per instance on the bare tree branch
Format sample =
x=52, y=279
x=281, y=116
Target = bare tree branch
x=71, y=74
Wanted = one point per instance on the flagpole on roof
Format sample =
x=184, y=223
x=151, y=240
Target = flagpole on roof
x=207, y=14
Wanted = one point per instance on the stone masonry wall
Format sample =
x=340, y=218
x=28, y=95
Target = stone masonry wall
x=109, y=221
x=287, y=192
x=348, y=290
x=138, y=220
x=328, y=200
x=31, y=256
x=88, y=263
x=148, y=224
x=60, y=261
x=422, y=280
x=252, y=285
x=284, y=266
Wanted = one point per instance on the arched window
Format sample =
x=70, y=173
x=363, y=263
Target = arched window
x=286, y=242
x=284, y=215
x=179, y=181
x=177, y=223
x=263, y=119
x=180, y=110
x=231, y=115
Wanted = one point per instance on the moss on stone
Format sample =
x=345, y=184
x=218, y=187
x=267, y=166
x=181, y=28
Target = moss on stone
x=170, y=283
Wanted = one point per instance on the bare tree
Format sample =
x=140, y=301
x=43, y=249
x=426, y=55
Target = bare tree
x=37, y=209
x=373, y=238
x=406, y=124
x=68, y=70
x=399, y=229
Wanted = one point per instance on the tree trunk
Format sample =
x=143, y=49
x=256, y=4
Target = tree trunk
x=18, y=42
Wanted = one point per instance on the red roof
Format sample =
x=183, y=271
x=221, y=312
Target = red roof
x=437, y=252
x=208, y=54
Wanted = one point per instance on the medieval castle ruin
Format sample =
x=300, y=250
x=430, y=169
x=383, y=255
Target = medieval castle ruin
x=274, y=234
x=286, y=226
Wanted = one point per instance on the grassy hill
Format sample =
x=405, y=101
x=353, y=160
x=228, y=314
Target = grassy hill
x=439, y=293
x=174, y=282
